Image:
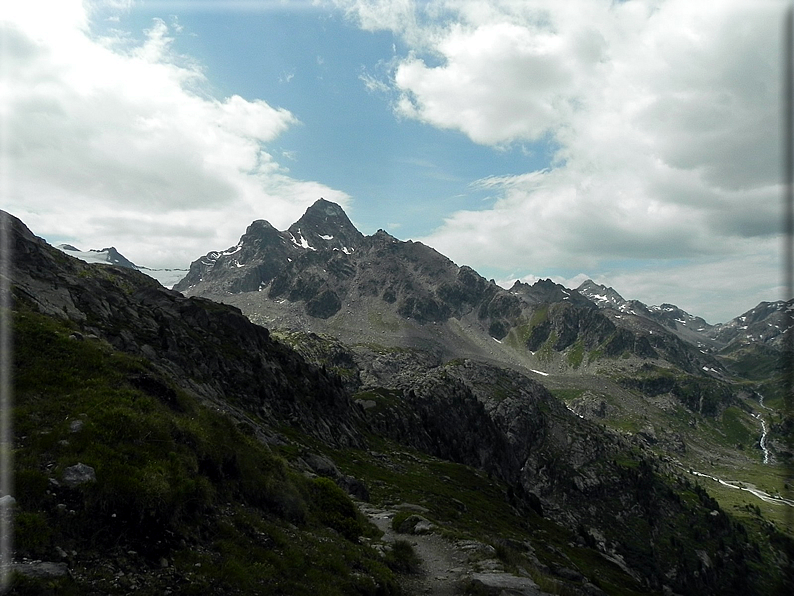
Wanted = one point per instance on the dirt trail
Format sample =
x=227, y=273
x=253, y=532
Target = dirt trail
x=443, y=566
x=446, y=565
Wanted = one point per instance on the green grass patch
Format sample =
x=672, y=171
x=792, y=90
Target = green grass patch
x=546, y=351
x=380, y=322
x=567, y=395
x=575, y=354
x=734, y=425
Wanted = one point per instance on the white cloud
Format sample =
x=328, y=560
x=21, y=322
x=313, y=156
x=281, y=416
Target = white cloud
x=664, y=116
x=108, y=138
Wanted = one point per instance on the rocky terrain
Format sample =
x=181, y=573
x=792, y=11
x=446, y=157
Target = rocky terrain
x=223, y=456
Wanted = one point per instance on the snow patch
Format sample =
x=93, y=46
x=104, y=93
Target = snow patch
x=540, y=372
x=303, y=242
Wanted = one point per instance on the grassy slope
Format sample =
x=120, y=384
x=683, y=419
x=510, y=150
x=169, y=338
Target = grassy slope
x=177, y=484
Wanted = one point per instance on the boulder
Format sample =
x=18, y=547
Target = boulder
x=41, y=569
x=415, y=524
x=505, y=584
x=78, y=474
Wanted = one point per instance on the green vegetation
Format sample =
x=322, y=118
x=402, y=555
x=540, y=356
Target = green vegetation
x=175, y=481
x=575, y=354
x=546, y=351
x=519, y=335
x=735, y=427
x=383, y=398
x=704, y=395
x=380, y=323
x=566, y=395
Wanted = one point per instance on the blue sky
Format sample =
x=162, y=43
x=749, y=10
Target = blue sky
x=402, y=175
x=635, y=143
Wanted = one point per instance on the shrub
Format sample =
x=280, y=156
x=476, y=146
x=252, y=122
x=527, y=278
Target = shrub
x=336, y=510
x=402, y=558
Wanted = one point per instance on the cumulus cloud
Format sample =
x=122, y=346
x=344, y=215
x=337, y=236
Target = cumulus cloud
x=107, y=138
x=664, y=118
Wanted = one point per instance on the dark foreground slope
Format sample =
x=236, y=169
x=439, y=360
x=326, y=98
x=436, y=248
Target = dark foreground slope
x=166, y=443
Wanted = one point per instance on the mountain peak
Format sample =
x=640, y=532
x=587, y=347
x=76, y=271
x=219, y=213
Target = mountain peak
x=325, y=225
x=328, y=208
x=603, y=296
x=546, y=291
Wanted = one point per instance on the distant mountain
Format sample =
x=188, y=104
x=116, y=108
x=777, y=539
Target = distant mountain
x=764, y=324
x=545, y=291
x=108, y=256
x=111, y=256
x=668, y=315
x=323, y=273
x=690, y=328
x=603, y=296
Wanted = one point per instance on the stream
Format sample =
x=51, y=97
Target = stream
x=762, y=441
x=764, y=432
x=764, y=496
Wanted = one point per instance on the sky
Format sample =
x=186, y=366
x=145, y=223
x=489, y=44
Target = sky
x=637, y=143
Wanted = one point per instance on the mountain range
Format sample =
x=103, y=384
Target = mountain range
x=323, y=275
x=548, y=439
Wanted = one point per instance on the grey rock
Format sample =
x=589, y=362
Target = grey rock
x=415, y=524
x=322, y=466
x=567, y=573
x=411, y=507
x=504, y=584
x=41, y=569
x=78, y=474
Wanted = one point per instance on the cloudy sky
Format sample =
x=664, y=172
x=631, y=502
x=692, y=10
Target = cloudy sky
x=634, y=142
